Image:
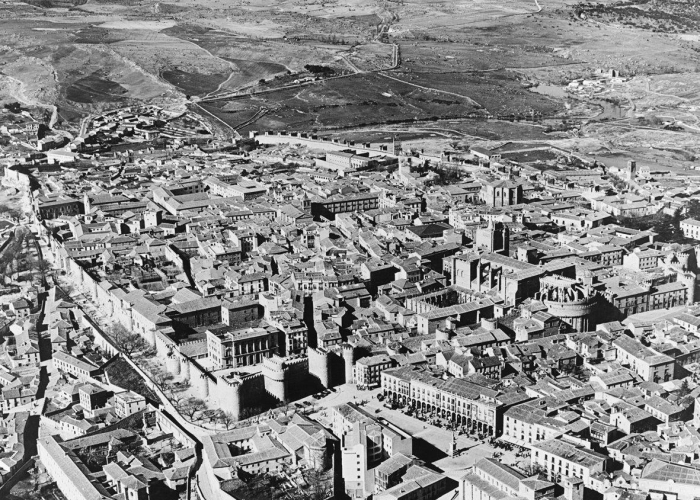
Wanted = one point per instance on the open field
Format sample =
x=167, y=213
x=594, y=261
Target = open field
x=499, y=92
x=353, y=101
x=476, y=54
x=372, y=56
x=246, y=72
x=194, y=83
x=93, y=88
x=51, y=68
x=531, y=156
x=457, y=58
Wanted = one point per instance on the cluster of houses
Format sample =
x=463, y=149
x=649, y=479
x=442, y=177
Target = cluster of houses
x=508, y=302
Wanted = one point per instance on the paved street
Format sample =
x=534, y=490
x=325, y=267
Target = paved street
x=431, y=443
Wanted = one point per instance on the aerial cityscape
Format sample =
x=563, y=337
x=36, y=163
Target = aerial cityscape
x=353, y=250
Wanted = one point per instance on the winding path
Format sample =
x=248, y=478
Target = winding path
x=235, y=132
x=664, y=95
x=395, y=63
x=430, y=89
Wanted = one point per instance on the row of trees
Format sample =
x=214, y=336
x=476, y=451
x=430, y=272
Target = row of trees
x=319, y=70
x=10, y=212
x=129, y=343
x=444, y=175
x=309, y=484
x=134, y=345
x=18, y=258
x=447, y=175
x=668, y=227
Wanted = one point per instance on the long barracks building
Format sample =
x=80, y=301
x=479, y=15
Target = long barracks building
x=339, y=204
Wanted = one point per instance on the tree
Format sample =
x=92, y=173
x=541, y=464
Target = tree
x=318, y=485
x=176, y=391
x=262, y=486
x=24, y=265
x=654, y=120
x=319, y=70
x=684, y=389
x=127, y=342
x=13, y=107
x=210, y=415
x=95, y=456
x=692, y=209
x=161, y=378
x=132, y=447
x=249, y=412
x=226, y=419
x=150, y=352
x=191, y=406
x=43, y=267
x=176, y=397
x=667, y=227
x=6, y=263
x=536, y=469
x=447, y=175
x=10, y=212
x=179, y=388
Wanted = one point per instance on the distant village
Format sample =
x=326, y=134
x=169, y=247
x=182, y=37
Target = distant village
x=291, y=315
